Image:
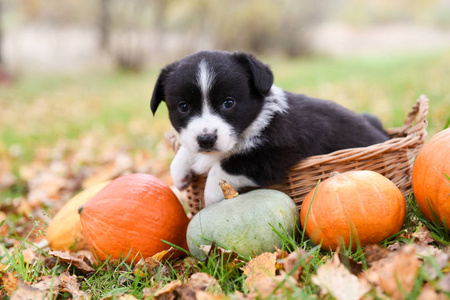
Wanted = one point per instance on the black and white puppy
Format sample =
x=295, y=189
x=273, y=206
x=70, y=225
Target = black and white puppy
x=234, y=124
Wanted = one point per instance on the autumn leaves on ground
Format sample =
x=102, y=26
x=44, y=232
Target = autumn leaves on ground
x=62, y=135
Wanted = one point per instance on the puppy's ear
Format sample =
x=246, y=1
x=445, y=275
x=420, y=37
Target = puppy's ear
x=158, y=90
x=262, y=76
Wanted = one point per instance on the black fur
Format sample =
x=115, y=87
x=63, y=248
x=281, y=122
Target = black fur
x=309, y=127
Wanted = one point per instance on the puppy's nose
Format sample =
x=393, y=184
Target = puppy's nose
x=207, y=141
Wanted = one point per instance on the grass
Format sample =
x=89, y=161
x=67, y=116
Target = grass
x=113, y=279
x=41, y=113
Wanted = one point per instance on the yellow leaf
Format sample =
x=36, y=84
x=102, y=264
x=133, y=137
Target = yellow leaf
x=259, y=268
x=159, y=256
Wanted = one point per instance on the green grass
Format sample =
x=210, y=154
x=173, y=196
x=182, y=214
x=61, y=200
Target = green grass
x=39, y=113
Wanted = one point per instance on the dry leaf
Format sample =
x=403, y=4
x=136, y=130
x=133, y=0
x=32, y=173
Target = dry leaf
x=352, y=265
x=168, y=288
x=394, y=246
x=26, y=292
x=188, y=264
x=396, y=272
x=260, y=267
x=433, y=258
x=265, y=287
x=428, y=293
x=159, y=256
x=229, y=256
x=29, y=255
x=4, y=228
x=204, y=282
x=444, y=283
x=70, y=284
x=292, y=261
x=335, y=279
x=201, y=295
x=47, y=283
x=199, y=286
x=79, y=261
x=123, y=297
x=374, y=253
x=9, y=282
x=62, y=283
x=151, y=266
x=423, y=236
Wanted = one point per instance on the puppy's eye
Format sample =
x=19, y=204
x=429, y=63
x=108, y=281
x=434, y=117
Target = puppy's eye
x=228, y=103
x=183, y=107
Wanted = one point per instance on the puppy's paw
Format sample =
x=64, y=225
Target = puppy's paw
x=213, y=194
x=182, y=181
x=180, y=169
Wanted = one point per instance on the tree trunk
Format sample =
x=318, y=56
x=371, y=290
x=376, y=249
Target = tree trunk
x=105, y=24
x=1, y=33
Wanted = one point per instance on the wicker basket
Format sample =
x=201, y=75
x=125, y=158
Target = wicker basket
x=393, y=159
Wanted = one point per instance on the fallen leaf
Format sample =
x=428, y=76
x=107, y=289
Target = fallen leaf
x=9, y=282
x=29, y=255
x=428, y=293
x=433, y=258
x=127, y=297
x=260, y=267
x=62, y=283
x=4, y=227
x=151, y=266
x=229, y=256
x=374, y=253
x=423, y=236
x=292, y=261
x=276, y=285
x=394, y=246
x=26, y=292
x=396, y=272
x=69, y=283
x=202, y=295
x=79, y=261
x=168, y=288
x=281, y=254
x=205, y=282
x=352, y=265
x=189, y=264
x=159, y=256
x=199, y=286
x=444, y=283
x=335, y=279
x=48, y=283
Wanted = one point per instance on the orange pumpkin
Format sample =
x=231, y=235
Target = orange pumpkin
x=359, y=206
x=134, y=214
x=431, y=187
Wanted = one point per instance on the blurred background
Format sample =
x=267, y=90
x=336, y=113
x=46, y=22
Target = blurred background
x=76, y=77
x=72, y=35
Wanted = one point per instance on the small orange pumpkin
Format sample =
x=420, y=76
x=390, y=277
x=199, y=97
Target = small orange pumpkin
x=430, y=184
x=134, y=213
x=359, y=206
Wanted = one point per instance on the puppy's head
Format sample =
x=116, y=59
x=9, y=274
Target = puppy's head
x=212, y=97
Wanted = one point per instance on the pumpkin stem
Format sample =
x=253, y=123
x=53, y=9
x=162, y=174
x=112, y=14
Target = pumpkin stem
x=228, y=191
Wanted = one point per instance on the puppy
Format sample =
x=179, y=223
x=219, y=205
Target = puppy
x=234, y=124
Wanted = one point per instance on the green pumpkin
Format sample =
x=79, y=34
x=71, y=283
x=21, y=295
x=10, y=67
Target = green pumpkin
x=242, y=223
